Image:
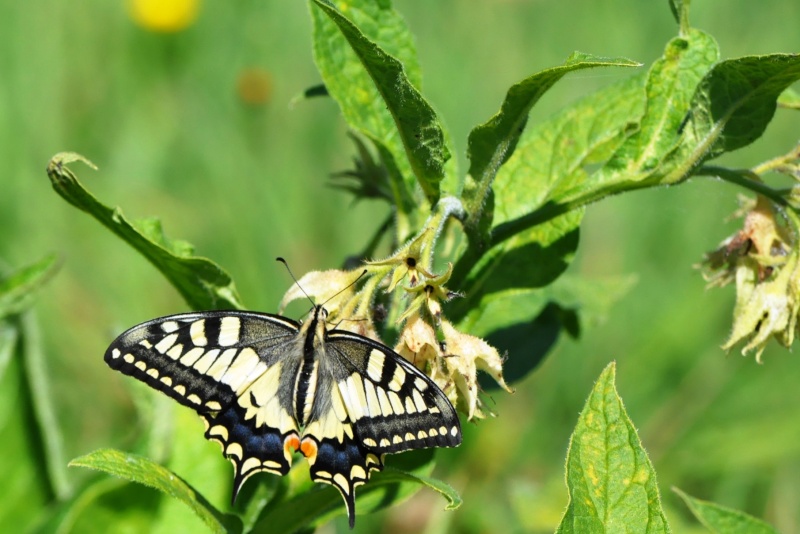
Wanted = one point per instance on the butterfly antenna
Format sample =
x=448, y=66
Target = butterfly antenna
x=285, y=264
x=345, y=288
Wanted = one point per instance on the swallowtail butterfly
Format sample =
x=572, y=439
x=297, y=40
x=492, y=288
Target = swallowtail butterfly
x=268, y=386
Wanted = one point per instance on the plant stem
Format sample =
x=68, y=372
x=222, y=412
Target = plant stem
x=747, y=179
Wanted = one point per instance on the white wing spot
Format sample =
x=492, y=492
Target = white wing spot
x=454, y=431
x=420, y=384
x=369, y=442
x=229, y=331
x=375, y=365
x=165, y=344
x=153, y=372
x=234, y=449
x=198, y=333
x=250, y=464
x=384, y=442
x=433, y=432
x=397, y=404
x=419, y=402
x=169, y=326
x=240, y=368
x=355, y=397
x=422, y=434
x=180, y=389
x=192, y=356
x=397, y=439
x=221, y=365
x=146, y=344
x=271, y=464
x=219, y=430
x=193, y=398
x=386, y=406
x=398, y=379
x=357, y=472
x=115, y=353
x=140, y=365
x=342, y=483
x=166, y=380
x=204, y=363
x=373, y=405
x=175, y=352
x=213, y=405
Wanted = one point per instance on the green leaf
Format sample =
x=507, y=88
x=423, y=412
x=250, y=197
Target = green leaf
x=8, y=343
x=44, y=404
x=722, y=520
x=549, y=155
x=789, y=99
x=196, y=459
x=590, y=298
x=104, y=505
x=732, y=107
x=534, y=258
x=26, y=483
x=526, y=323
x=143, y=471
x=493, y=142
x=548, y=174
x=202, y=283
x=376, y=91
x=307, y=505
x=18, y=288
x=671, y=82
x=611, y=482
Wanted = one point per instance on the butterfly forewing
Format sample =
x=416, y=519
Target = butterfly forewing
x=229, y=367
x=267, y=386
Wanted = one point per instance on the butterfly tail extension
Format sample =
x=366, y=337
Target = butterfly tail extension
x=344, y=465
x=250, y=448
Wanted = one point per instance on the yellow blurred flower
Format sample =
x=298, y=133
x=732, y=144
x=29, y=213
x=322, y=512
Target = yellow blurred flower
x=165, y=16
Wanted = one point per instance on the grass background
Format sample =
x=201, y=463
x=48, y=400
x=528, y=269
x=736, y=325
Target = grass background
x=164, y=119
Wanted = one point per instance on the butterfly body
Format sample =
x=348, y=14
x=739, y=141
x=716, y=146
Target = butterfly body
x=267, y=386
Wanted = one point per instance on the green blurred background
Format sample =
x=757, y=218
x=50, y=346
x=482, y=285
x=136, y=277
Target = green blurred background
x=196, y=127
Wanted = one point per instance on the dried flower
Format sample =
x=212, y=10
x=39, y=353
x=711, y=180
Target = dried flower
x=453, y=364
x=762, y=259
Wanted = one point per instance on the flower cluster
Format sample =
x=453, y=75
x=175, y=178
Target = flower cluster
x=762, y=260
x=428, y=340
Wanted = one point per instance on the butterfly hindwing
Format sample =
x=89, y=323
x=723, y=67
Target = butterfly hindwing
x=372, y=402
x=229, y=367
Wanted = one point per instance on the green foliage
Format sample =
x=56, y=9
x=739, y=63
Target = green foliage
x=141, y=470
x=510, y=226
x=611, y=481
x=722, y=520
x=202, y=283
x=28, y=429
